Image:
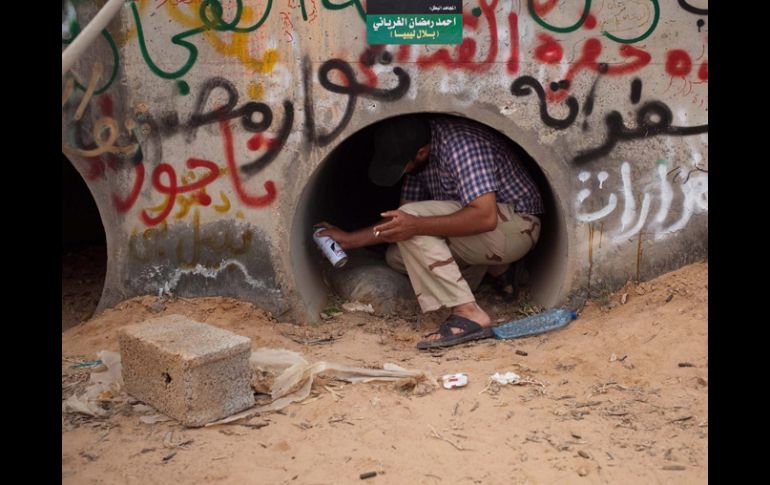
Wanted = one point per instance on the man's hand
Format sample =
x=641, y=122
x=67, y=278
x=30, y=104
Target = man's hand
x=400, y=227
x=342, y=238
x=479, y=216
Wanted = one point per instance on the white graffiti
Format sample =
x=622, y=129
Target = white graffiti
x=200, y=270
x=693, y=186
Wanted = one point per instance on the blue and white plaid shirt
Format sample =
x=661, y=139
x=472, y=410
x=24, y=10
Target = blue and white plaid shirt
x=469, y=160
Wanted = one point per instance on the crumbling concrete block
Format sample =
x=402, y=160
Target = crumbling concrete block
x=190, y=371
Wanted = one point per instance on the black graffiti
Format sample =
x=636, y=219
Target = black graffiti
x=652, y=119
x=228, y=111
x=310, y=131
x=152, y=131
x=353, y=88
x=256, y=117
x=700, y=23
x=563, y=84
x=350, y=87
x=253, y=168
x=374, y=54
x=170, y=123
x=524, y=85
x=636, y=90
x=697, y=11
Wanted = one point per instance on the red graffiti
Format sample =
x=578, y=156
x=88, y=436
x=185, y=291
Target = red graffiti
x=202, y=198
x=640, y=59
x=246, y=198
x=590, y=22
x=589, y=60
x=404, y=50
x=549, y=51
x=703, y=72
x=257, y=141
x=287, y=25
x=172, y=190
x=513, y=60
x=95, y=168
x=544, y=8
x=678, y=63
x=366, y=61
x=105, y=104
x=122, y=205
x=465, y=52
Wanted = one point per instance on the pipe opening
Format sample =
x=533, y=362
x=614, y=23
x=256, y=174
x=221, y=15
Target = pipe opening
x=83, y=248
x=340, y=192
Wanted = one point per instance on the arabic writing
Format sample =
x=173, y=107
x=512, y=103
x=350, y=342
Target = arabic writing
x=692, y=183
x=414, y=29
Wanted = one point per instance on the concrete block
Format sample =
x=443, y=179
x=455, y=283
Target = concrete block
x=190, y=371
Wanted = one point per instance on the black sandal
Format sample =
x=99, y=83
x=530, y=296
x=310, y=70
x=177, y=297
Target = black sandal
x=470, y=331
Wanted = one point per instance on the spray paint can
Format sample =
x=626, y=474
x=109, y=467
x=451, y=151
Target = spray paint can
x=333, y=252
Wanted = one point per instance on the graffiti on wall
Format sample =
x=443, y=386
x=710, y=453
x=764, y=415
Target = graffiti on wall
x=604, y=198
x=564, y=60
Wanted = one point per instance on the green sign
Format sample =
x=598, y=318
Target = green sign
x=414, y=28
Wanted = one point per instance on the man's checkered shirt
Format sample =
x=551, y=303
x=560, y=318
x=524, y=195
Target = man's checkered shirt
x=469, y=160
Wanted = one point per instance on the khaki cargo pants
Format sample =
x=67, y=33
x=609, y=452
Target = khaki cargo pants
x=443, y=271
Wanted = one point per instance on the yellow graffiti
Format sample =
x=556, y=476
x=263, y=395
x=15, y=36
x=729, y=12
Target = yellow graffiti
x=144, y=245
x=125, y=35
x=96, y=74
x=186, y=203
x=161, y=207
x=148, y=236
x=225, y=206
x=239, y=41
x=256, y=91
x=188, y=176
x=69, y=86
x=102, y=145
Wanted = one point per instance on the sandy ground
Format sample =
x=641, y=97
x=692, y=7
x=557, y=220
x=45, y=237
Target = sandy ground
x=618, y=396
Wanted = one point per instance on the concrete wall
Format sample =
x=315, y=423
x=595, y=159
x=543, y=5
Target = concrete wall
x=198, y=130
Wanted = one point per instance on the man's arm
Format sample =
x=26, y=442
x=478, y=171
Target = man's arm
x=479, y=216
x=356, y=239
x=351, y=240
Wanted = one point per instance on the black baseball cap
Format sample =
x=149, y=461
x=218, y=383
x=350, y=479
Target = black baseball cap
x=396, y=142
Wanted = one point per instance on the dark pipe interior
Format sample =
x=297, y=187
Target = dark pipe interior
x=83, y=246
x=342, y=194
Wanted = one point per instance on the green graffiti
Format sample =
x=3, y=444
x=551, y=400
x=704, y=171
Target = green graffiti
x=302, y=8
x=339, y=6
x=184, y=88
x=177, y=39
x=561, y=30
x=74, y=31
x=476, y=12
x=210, y=14
x=586, y=11
x=649, y=31
x=220, y=25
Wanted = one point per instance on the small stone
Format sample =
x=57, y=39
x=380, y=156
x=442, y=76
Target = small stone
x=582, y=471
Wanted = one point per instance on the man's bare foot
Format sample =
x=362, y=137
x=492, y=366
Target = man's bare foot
x=471, y=311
